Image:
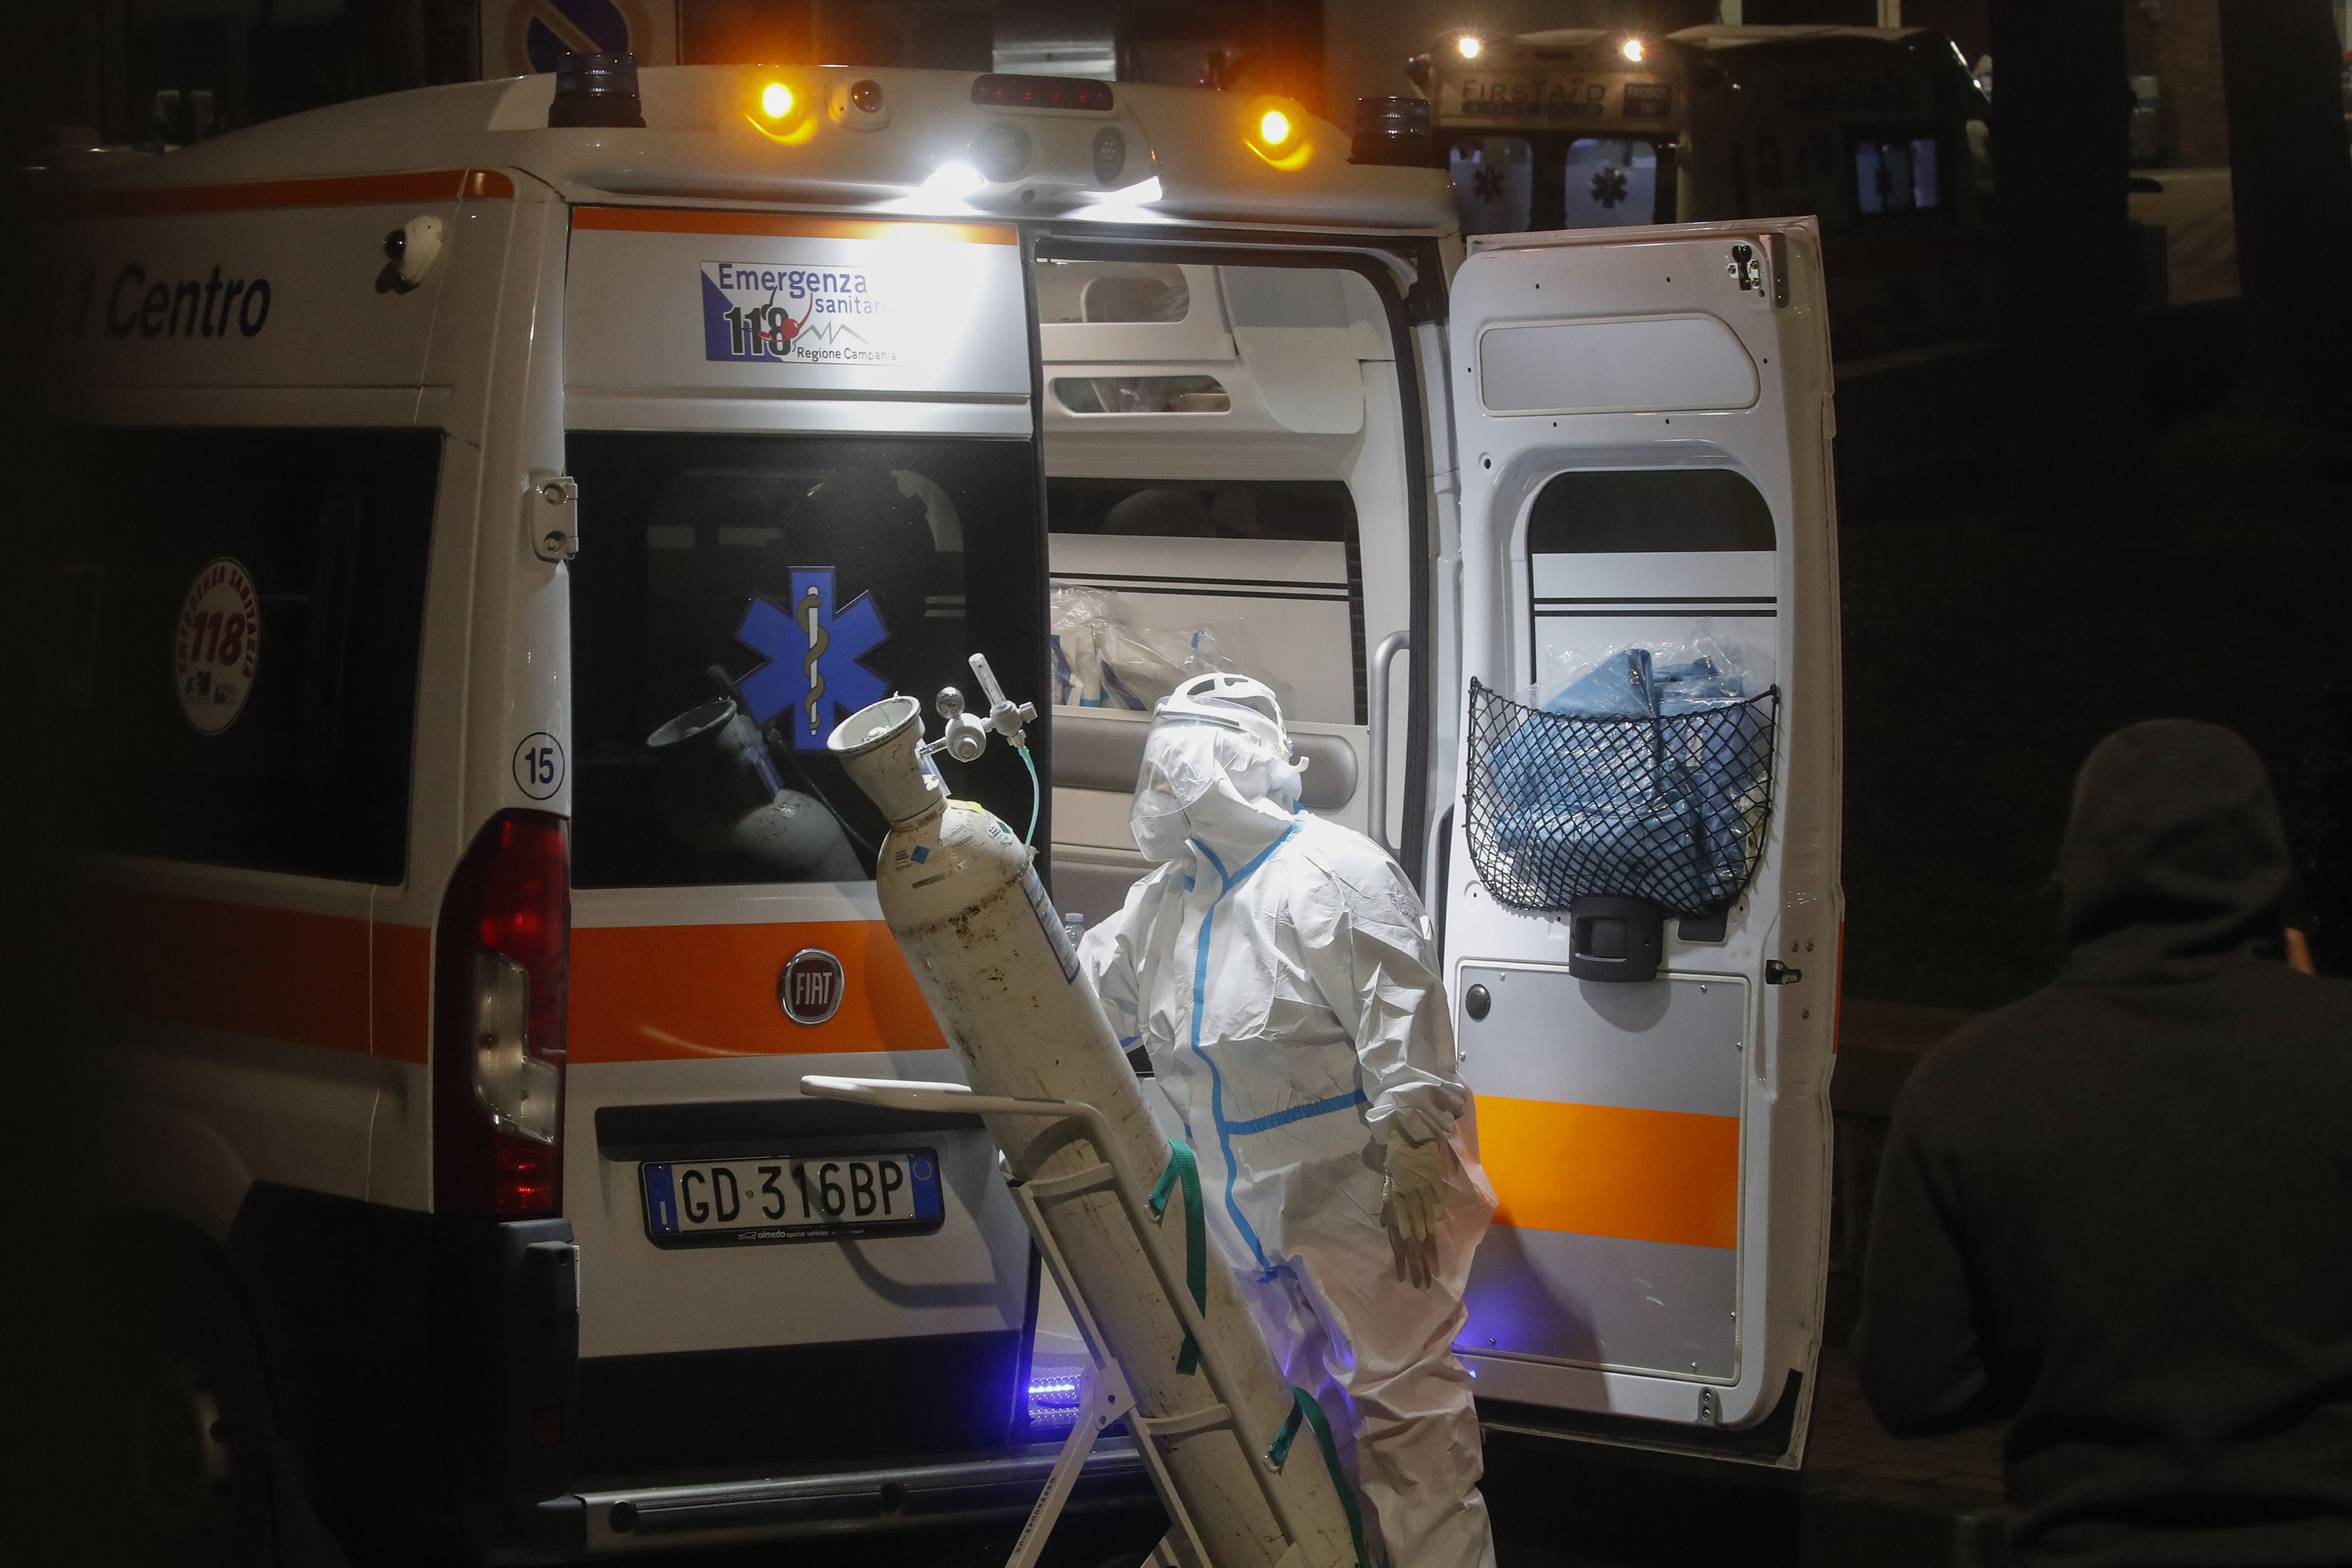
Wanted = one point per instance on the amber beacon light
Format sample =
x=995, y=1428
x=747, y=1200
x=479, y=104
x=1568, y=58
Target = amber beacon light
x=782, y=110
x=1276, y=131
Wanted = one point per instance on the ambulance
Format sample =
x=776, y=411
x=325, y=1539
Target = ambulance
x=486, y=500
x=1879, y=133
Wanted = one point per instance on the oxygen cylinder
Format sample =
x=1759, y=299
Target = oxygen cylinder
x=996, y=965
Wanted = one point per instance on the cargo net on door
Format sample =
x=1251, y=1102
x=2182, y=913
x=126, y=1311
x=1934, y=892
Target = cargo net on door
x=1670, y=808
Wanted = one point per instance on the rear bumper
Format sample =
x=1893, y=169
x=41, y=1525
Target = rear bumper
x=428, y=1384
x=964, y=1489
x=423, y=1367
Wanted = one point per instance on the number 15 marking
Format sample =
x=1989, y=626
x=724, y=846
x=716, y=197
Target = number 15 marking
x=539, y=765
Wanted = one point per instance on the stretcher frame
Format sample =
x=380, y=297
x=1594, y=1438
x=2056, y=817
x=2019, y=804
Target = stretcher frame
x=1105, y=1396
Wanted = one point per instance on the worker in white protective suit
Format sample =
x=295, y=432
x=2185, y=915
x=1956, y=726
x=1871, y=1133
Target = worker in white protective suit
x=1279, y=971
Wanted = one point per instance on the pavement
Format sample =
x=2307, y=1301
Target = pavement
x=1848, y=1442
x=1881, y=1501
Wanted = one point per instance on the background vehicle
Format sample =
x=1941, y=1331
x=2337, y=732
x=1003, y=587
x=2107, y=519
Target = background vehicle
x=1878, y=132
x=489, y=889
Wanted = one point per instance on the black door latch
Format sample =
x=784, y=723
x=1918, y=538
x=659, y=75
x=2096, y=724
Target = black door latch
x=1779, y=974
x=1744, y=268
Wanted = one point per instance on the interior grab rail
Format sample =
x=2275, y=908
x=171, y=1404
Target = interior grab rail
x=1376, y=774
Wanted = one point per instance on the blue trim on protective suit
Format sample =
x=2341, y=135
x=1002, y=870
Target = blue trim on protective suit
x=1347, y=1102
x=1227, y=1129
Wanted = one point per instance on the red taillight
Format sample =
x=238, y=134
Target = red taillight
x=499, y=958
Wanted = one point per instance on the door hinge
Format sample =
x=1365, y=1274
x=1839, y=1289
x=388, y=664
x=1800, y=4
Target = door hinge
x=1749, y=269
x=551, y=515
x=1710, y=1408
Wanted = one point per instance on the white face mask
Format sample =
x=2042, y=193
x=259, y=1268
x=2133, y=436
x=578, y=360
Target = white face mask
x=1204, y=781
x=1160, y=836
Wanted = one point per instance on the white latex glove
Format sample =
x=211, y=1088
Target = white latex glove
x=1411, y=1199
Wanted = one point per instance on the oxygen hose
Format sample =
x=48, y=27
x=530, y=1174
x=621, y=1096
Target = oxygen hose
x=1035, y=794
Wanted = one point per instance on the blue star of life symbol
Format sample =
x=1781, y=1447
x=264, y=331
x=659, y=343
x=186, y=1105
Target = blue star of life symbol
x=1609, y=187
x=1486, y=184
x=813, y=653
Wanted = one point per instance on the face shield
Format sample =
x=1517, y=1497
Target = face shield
x=1204, y=779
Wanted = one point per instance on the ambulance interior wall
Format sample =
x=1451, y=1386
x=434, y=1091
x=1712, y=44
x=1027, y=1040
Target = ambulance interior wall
x=1225, y=479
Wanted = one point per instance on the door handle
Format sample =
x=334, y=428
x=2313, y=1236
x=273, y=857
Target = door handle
x=1376, y=774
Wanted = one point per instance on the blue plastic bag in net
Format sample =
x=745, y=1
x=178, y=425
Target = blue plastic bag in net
x=1656, y=783
x=1706, y=672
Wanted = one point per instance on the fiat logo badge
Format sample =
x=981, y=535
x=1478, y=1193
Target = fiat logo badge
x=809, y=989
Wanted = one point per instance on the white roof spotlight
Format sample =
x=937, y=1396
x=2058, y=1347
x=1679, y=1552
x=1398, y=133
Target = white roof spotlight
x=1128, y=203
x=955, y=180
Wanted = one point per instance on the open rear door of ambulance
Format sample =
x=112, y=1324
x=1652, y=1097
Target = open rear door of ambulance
x=1641, y=900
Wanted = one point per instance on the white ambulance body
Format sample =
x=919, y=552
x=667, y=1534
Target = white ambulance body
x=459, y=621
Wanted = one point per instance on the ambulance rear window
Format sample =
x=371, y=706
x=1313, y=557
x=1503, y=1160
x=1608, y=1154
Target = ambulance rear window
x=1607, y=510
x=235, y=665
x=737, y=597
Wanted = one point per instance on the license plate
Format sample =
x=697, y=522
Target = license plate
x=790, y=1197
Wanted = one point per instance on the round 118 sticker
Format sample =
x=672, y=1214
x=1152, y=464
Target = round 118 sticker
x=217, y=645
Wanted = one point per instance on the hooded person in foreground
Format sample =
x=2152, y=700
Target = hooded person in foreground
x=2120, y=1211
x=1279, y=972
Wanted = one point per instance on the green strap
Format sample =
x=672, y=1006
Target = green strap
x=1304, y=1408
x=1181, y=1166
x=1184, y=1168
